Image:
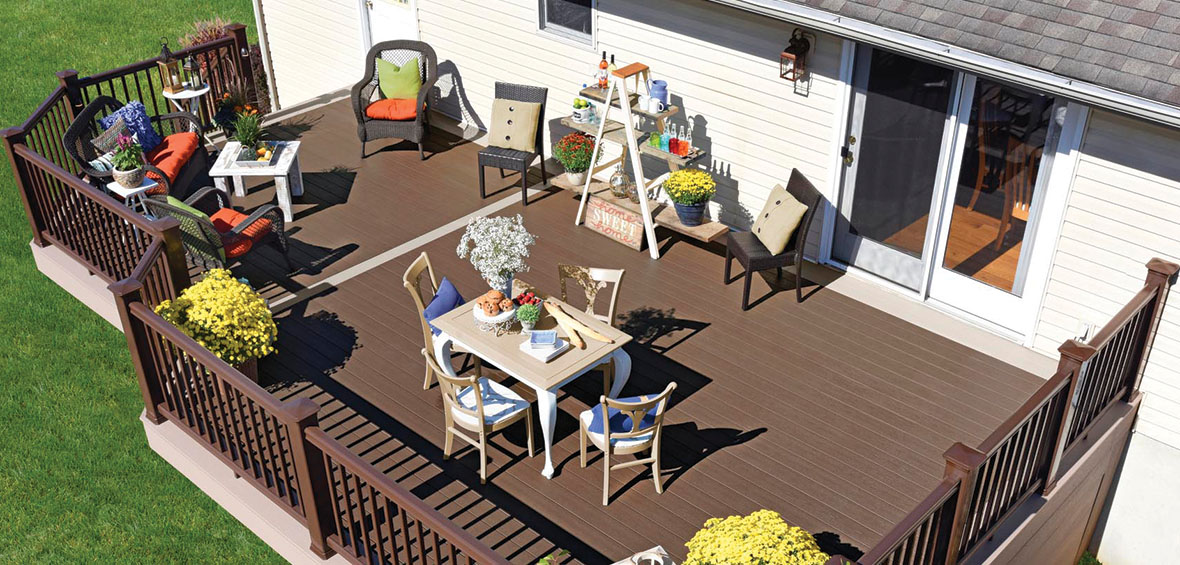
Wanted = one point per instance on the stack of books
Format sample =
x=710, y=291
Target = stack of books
x=544, y=345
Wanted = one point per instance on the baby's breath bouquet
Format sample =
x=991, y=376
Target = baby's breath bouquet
x=690, y=186
x=224, y=315
x=762, y=538
x=496, y=248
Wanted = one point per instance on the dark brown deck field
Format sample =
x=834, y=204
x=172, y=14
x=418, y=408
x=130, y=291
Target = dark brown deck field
x=830, y=412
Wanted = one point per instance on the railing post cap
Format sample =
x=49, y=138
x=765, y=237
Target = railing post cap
x=11, y=132
x=235, y=26
x=963, y=456
x=301, y=408
x=1163, y=267
x=125, y=287
x=1076, y=350
x=66, y=73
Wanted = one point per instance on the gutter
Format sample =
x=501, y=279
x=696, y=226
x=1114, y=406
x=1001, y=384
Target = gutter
x=264, y=48
x=977, y=63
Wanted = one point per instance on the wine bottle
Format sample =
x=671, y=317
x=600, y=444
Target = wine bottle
x=610, y=69
x=602, y=72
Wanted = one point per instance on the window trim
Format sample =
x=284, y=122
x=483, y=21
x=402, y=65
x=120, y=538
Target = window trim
x=566, y=35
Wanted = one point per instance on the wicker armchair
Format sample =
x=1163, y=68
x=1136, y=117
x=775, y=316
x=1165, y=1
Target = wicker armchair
x=749, y=251
x=510, y=158
x=221, y=233
x=398, y=52
x=85, y=127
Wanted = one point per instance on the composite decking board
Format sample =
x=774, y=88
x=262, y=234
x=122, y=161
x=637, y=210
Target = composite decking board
x=857, y=405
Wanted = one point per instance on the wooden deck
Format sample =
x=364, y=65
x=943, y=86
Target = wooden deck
x=830, y=412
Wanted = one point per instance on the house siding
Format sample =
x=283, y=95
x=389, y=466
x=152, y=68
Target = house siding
x=1122, y=211
x=315, y=47
x=721, y=65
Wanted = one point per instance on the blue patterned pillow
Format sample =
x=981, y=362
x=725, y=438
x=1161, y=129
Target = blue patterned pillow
x=135, y=115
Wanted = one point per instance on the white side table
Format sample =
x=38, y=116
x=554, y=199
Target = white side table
x=190, y=97
x=288, y=177
x=132, y=197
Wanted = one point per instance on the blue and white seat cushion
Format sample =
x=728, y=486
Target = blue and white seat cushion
x=620, y=423
x=499, y=403
x=446, y=299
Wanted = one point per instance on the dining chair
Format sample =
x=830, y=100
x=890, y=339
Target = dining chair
x=517, y=159
x=412, y=280
x=622, y=426
x=592, y=280
x=480, y=405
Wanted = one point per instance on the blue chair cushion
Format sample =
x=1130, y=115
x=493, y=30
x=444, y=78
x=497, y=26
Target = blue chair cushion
x=620, y=422
x=446, y=299
x=135, y=116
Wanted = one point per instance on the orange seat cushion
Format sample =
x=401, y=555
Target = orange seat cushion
x=173, y=154
x=227, y=219
x=393, y=109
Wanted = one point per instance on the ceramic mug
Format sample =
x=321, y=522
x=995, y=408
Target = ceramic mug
x=654, y=105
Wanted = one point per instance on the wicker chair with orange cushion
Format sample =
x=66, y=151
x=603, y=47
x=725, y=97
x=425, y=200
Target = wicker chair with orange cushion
x=179, y=162
x=379, y=116
x=215, y=234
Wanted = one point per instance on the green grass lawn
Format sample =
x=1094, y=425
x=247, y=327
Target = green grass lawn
x=77, y=480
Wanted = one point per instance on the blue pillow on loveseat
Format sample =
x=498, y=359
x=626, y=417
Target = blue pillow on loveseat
x=446, y=299
x=135, y=116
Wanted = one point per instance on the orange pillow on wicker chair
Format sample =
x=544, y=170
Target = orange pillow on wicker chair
x=227, y=219
x=393, y=109
x=173, y=154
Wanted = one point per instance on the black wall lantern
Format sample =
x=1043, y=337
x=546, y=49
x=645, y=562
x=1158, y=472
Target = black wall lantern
x=793, y=61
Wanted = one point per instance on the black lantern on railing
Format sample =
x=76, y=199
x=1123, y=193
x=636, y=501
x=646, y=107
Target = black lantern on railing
x=793, y=61
x=170, y=78
x=192, y=70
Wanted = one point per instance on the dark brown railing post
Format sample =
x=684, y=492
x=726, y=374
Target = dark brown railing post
x=245, y=64
x=1074, y=355
x=127, y=292
x=1161, y=275
x=315, y=493
x=69, y=81
x=12, y=137
x=168, y=229
x=963, y=463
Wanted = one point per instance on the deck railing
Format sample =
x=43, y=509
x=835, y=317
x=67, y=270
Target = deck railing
x=981, y=487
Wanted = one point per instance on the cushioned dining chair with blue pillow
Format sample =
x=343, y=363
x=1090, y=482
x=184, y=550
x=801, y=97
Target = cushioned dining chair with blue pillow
x=478, y=405
x=622, y=426
x=431, y=302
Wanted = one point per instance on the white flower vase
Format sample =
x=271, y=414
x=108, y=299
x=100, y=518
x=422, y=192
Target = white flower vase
x=578, y=179
x=507, y=288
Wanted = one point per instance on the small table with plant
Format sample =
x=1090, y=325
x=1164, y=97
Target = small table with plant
x=248, y=155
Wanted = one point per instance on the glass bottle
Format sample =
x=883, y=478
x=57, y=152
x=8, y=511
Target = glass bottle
x=665, y=140
x=619, y=182
x=602, y=74
x=688, y=143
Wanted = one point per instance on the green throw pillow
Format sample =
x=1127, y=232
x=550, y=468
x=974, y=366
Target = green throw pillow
x=399, y=82
x=173, y=201
x=185, y=226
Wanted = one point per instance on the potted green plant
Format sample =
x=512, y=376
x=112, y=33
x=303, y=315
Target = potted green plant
x=762, y=537
x=127, y=162
x=227, y=317
x=528, y=314
x=574, y=152
x=690, y=191
x=247, y=127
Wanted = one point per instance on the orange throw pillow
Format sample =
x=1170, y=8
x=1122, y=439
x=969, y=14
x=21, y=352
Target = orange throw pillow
x=393, y=109
x=173, y=154
x=227, y=219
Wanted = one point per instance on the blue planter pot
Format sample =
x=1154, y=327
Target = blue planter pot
x=691, y=214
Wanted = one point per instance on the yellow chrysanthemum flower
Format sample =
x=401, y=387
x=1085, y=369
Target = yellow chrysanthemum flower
x=762, y=538
x=225, y=316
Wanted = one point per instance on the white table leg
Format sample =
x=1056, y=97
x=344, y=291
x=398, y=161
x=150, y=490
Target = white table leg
x=295, y=175
x=220, y=183
x=622, y=371
x=283, y=194
x=239, y=186
x=547, y=405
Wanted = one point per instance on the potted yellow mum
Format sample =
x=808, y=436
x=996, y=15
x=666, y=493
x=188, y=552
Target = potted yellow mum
x=227, y=317
x=690, y=190
x=762, y=538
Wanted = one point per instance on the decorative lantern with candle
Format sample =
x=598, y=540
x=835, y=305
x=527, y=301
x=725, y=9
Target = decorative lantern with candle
x=170, y=77
x=793, y=61
x=192, y=71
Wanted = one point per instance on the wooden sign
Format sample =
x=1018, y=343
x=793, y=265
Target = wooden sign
x=618, y=223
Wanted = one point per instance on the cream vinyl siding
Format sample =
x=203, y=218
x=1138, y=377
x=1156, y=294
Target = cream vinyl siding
x=721, y=65
x=315, y=46
x=1123, y=210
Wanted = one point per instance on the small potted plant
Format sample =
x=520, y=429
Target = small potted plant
x=248, y=131
x=497, y=248
x=690, y=190
x=232, y=103
x=528, y=314
x=762, y=537
x=227, y=317
x=574, y=152
x=127, y=162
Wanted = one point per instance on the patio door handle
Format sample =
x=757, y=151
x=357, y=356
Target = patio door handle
x=846, y=153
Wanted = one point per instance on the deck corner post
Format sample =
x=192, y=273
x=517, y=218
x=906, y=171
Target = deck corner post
x=315, y=492
x=962, y=463
x=14, y=136
x=128, y=292
x=245, y=64
x=1072, y=364
x=168, y=229
x=1162, y=275
x=73, y=87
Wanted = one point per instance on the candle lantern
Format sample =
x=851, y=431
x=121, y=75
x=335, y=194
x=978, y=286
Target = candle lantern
x=793, y=61
x=170, y=77
x=192, y=71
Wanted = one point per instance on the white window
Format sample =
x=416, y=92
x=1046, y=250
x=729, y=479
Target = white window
x=569, y=19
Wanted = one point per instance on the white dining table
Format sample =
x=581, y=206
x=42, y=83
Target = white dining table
x=460, y=329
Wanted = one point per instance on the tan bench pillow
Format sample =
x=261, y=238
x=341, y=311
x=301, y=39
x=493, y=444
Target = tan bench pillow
x=514, y=125
x=779, y=219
